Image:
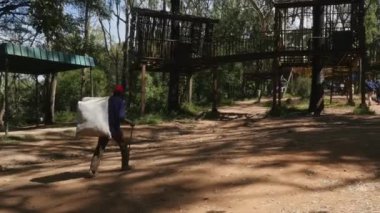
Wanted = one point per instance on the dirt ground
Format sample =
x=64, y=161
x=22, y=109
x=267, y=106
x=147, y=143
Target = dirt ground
x=241, y=163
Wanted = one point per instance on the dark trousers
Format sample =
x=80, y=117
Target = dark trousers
x=100, y=148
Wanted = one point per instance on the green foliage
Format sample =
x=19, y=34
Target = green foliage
x=301, y=87
x=151, y=119
x=286, y=111
x=65, y=117
x=48, y=17
x=290, y=107
x=372, y=21
x=363, y=110
x=68, y=88
x=191, y=109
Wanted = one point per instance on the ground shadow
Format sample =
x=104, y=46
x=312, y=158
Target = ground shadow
x=64, y=176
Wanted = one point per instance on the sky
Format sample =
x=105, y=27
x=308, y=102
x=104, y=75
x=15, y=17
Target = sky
x=95, y=22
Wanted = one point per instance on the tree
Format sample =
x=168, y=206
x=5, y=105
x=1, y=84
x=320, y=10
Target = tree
x=48, y=17
x=173, y=96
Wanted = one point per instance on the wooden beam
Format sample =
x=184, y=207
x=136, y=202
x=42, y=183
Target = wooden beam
x=308, y=3
x=170, y=16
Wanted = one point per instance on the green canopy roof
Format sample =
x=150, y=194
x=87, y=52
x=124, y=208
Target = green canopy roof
x=31, y=60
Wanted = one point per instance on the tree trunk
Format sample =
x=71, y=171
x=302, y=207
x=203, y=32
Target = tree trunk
x=143, y=88
x=190, y=89
x=50, y=86
x=173, y=96
x=275, y=62
x=2, y=112
x=85, y=45
x=316, y=103
x=125, y=48
x=215, y=90
x=363, y=50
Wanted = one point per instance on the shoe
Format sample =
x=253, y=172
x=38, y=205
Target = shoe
x=91, y=174
x=126, y=168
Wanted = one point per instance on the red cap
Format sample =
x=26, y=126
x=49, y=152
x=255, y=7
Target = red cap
x=118, y=89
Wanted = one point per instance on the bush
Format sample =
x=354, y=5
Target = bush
x=191, y=109
x=360, y=110
x=65, y=117
x=151, y=119
x=301, y=87
x=285, y=111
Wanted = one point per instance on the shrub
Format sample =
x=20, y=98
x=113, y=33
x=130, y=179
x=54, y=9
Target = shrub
x=301, y=87
x=360, y=110
x=65, y=117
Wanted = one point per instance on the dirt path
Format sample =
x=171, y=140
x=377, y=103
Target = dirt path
x=243, y=163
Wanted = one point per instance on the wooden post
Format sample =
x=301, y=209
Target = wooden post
x=143, y=88
x=350, y=92
x=190, y=88
x=37, y=103
x=215, y=89
x=92, y=83
x=6, y=114
x=279, y=87
x=331, y=91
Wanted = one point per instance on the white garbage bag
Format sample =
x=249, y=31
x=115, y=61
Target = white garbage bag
x=92, y=117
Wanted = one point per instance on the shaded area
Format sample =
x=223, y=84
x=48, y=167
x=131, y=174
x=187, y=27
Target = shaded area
x=60, y=177
x=212, y=166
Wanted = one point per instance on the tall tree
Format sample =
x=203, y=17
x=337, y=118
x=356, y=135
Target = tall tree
x=173, y=96
x=48, y=17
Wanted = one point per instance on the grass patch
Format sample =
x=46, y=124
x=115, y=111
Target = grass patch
x=291, y=107
x=9, y=140
x=188, y=110
x=363, y=110
x=18, y=138
x=286, y=111
x=150, y=119
x=65, y=117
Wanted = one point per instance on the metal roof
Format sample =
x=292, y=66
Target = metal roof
x=31, y=60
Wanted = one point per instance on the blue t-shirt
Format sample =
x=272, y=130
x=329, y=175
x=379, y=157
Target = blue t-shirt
x=116, y=113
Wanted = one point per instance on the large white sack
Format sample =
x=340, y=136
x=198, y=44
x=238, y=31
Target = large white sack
x=92, y=117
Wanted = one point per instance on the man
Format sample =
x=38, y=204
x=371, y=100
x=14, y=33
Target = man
x=370, y=89
x=116, y=114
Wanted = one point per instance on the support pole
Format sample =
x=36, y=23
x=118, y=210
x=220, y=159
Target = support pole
x=37, y=102
x=350, y=92
x=143, y=88
x=190, y=88
x=215, y=90
x=279, y=87
x=92, y=83
x=331, y=91
x=6, y=114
